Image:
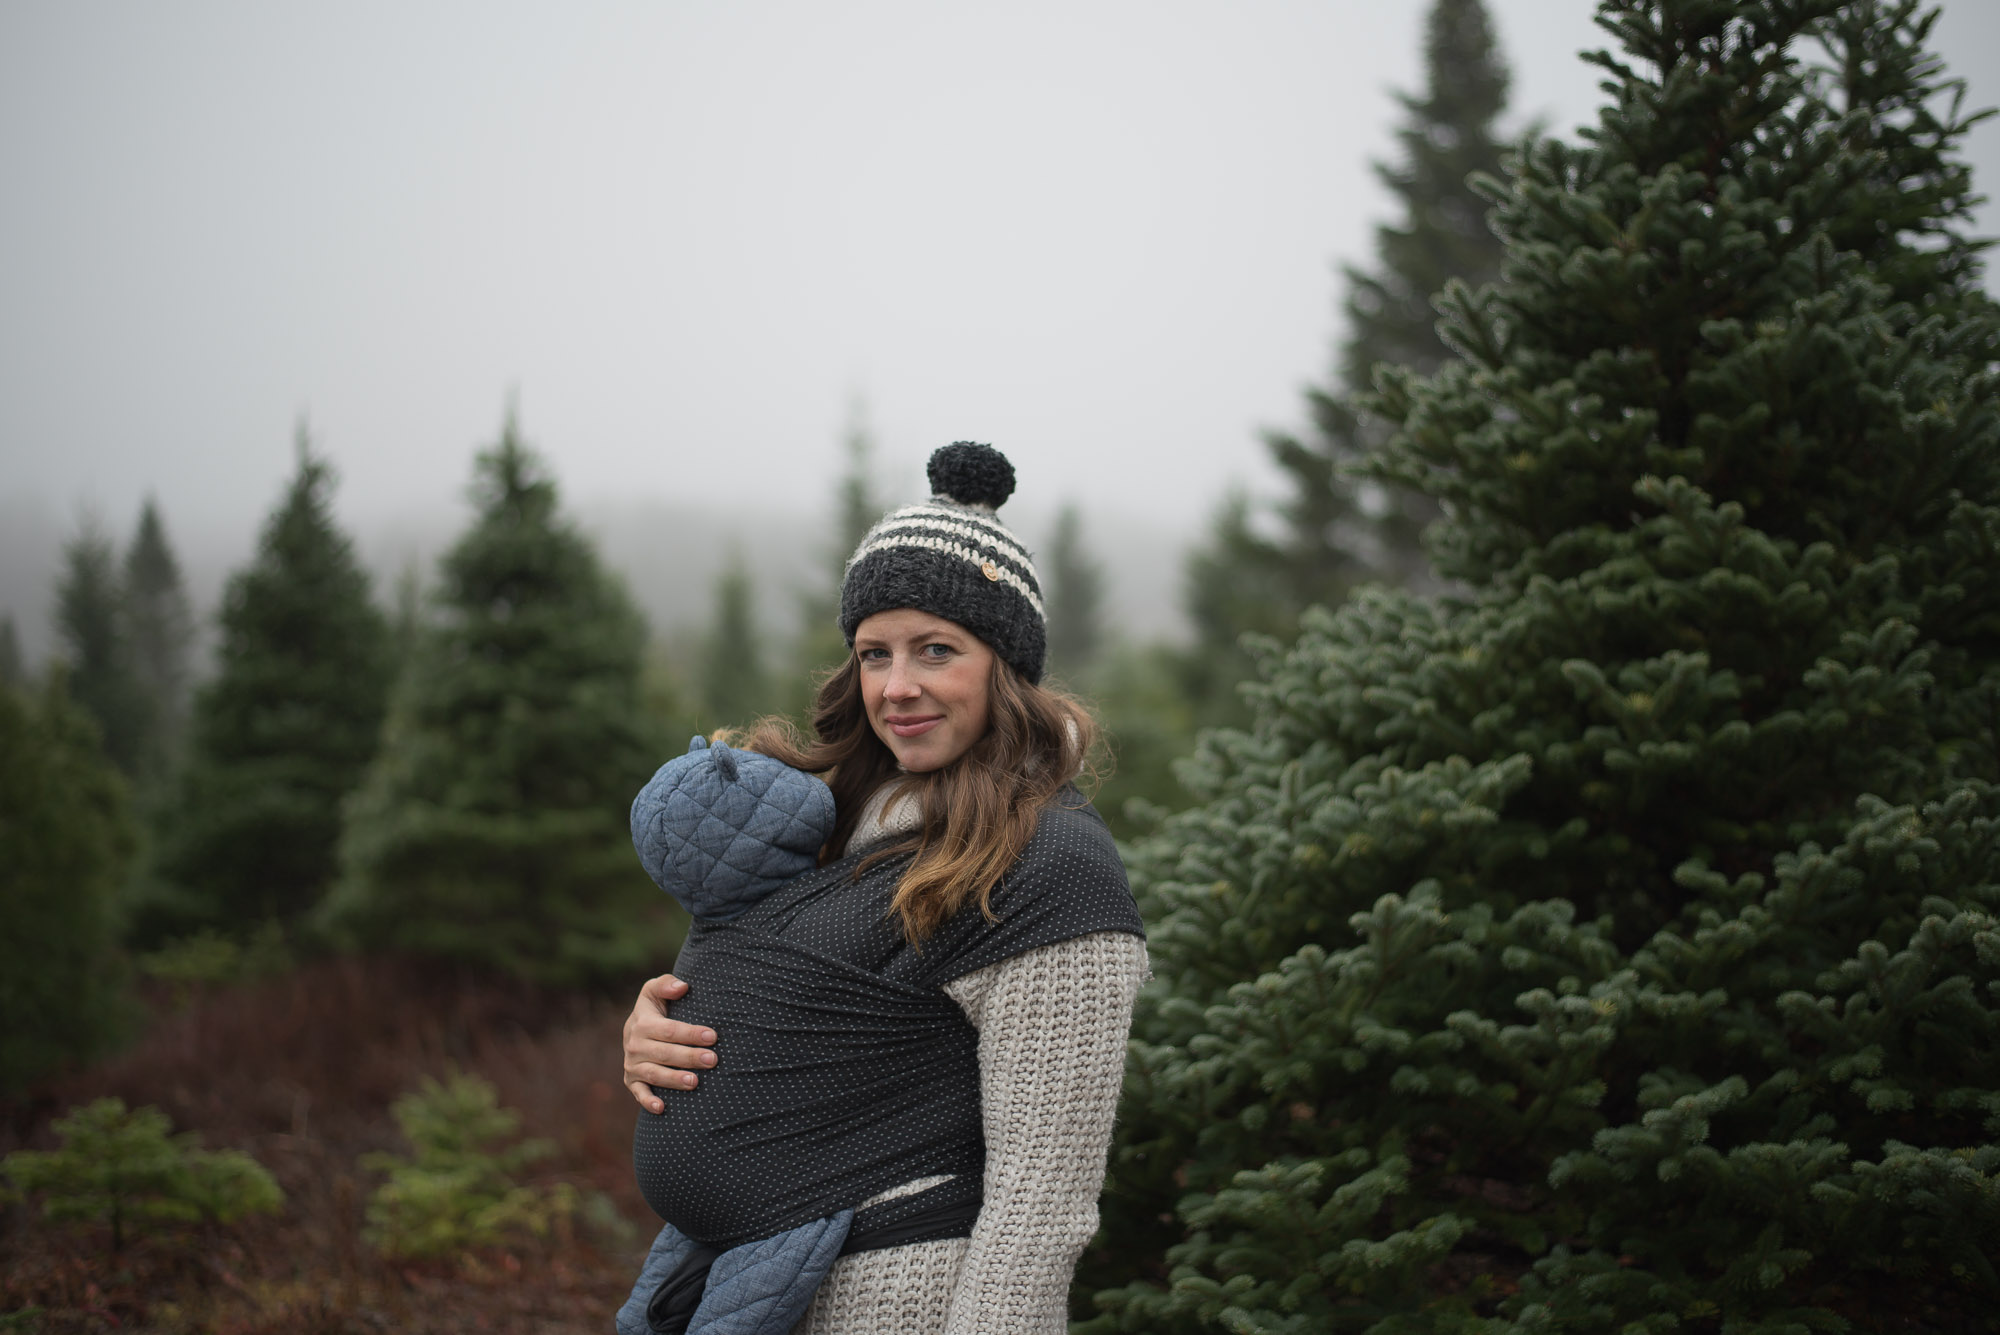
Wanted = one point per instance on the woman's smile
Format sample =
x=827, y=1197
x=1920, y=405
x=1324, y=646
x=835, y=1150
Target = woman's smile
x=926, y=683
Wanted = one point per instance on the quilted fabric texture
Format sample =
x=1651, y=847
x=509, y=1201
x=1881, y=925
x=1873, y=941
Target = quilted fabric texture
x=718, y=829
x=759, y=1288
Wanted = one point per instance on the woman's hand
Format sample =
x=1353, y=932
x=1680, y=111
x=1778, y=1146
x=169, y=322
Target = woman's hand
x=660, y=1051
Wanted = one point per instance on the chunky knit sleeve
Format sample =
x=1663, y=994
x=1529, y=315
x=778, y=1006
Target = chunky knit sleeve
x=1052, y=1028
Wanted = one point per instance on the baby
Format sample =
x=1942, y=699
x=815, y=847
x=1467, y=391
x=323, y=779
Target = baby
x=719, y=829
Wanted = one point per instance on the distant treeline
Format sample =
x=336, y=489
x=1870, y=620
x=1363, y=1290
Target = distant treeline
x=444, y=771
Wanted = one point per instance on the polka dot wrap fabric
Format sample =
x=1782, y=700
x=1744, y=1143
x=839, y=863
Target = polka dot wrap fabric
x=844, y=1067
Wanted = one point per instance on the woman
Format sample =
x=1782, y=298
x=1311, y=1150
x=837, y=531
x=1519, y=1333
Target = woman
x=962, y=865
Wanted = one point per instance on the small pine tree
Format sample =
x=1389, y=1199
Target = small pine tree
x=457, y=1189
x=1075, y=599
x=125, y=1167
x=282, y=733
x=160, y=631
x=493, y=826
x=93, y=640
x=735, y=684
x=1613, y=947
x=66, y=841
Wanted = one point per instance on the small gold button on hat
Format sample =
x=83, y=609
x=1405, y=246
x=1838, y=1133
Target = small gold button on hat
x=988, y=569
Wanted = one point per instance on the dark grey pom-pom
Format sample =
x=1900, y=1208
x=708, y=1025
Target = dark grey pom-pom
x=971, y=474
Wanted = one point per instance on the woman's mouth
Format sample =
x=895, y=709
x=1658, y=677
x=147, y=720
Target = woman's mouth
x=913, y=726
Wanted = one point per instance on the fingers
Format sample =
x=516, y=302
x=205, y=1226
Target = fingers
x=646, y=1098
x=660, y=1051
x=678, y=1056
x=661, y=990
x=659, y=1029
x=642, y=1075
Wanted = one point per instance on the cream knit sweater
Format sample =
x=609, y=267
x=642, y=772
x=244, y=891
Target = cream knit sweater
x=1052, y=1026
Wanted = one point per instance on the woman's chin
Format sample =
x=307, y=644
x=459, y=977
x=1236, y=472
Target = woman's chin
x=919, y=761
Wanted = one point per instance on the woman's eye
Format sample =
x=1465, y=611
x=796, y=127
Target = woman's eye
x=937, y=651
x=872, y=655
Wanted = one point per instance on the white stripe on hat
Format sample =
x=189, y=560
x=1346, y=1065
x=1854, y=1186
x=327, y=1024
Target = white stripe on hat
x=936, y=519
x=970, y=556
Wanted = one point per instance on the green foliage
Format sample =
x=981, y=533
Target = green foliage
x=160, y=631
x=1616, y=945
x=66, y=840
x=458, y=1189
x=92, y=641
x=1332, y=530
x=280, y=736
x=123, y=1167
x=1333, y=538
x=735, y=680
x=493, y=826
x=1075, y=590
x=208, y=959
x=1237, y=603
x=12, y=671
x=1137, y=696
x=821, y=645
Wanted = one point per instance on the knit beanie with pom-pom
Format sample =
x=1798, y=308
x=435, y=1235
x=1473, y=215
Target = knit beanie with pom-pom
x=952, y=557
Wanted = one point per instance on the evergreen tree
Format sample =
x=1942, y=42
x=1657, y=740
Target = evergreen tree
x=735, y=686
x=1075, y=599
x=93, y=640
x=1449, y=139
x=12, y=672
x=282, y=733
x=160, y=629
x=493, y=826
x=1330, y=535
x=66, y=839
x=1613, y=947
x=856, y=508
x=856, y=505
x=1237, y=599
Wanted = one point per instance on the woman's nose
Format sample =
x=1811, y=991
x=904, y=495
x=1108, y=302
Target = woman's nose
x=900, y=685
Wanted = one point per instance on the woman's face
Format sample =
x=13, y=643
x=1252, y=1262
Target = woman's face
x=925, y=682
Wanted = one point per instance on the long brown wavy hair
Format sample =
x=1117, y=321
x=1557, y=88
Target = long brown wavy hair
x=978, y=812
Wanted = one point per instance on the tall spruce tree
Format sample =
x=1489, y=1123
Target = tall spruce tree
x=492, y=829
x=66, y=838
x=1450, y=138
x=93, y=641
x=1075, y=599
x=1614, y=946
x=160, y=631
x=281, y=734
x=1328, y=536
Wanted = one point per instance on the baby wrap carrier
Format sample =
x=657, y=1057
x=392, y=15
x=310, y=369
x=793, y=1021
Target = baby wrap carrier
x=845, y=1069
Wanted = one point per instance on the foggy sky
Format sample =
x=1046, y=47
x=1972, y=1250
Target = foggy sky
x=688, y=235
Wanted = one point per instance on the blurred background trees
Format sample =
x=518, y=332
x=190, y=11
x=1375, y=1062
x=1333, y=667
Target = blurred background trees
x=160, y=634
x=66, y=842
x=94, y=643
x=1261, y=567
x=491, y=828
x=281, y=731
